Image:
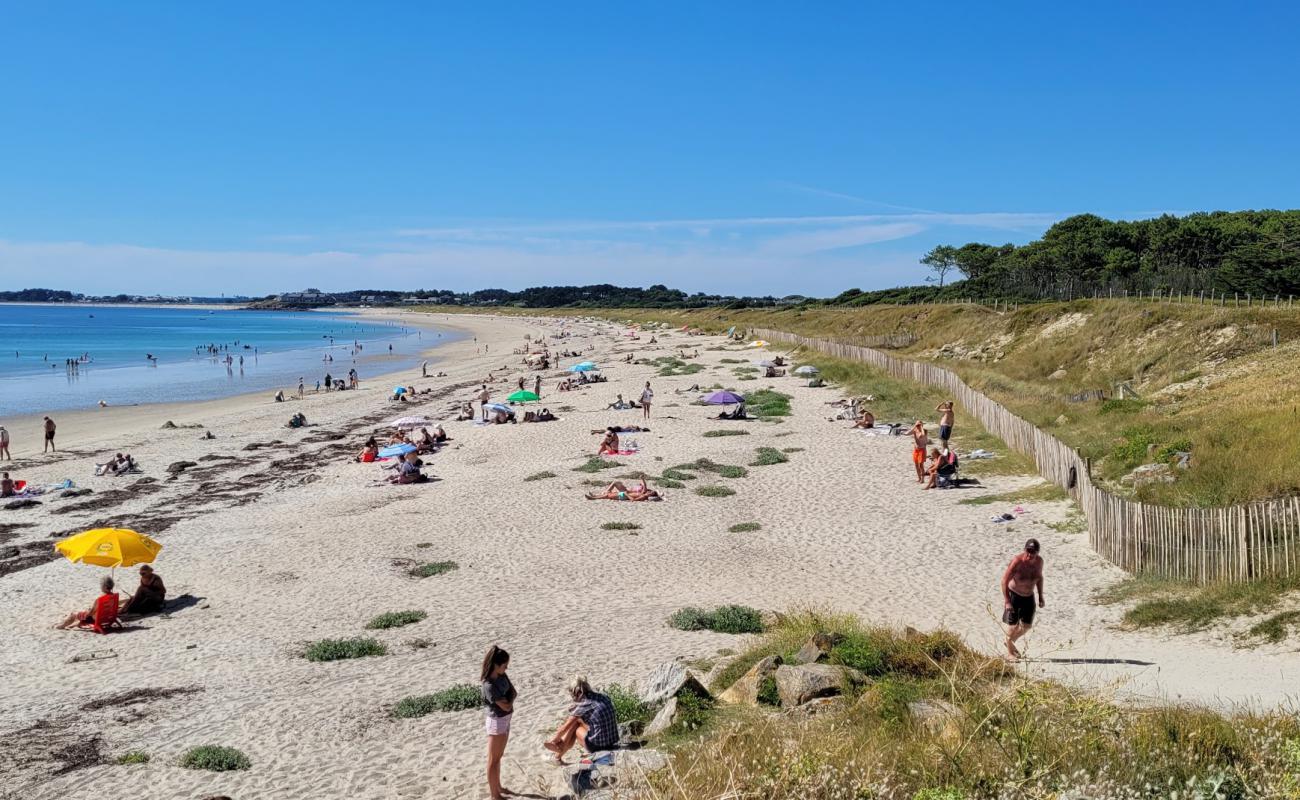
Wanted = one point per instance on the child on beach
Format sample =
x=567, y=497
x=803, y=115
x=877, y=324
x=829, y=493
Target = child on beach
x=499, y=701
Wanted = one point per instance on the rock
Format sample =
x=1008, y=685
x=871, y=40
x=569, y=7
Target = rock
x=745, y=690
x=714, y=671
x=818, y=648
x=627, y=731
x=934, y=714
x=600, y=781
x=669, y=680
x=1058, y=375
x=1149, y=473
x=168, y=425
x=1062, y=420
x=14, y=505
x=797, y=684
x=177, y=467
x=664, y=719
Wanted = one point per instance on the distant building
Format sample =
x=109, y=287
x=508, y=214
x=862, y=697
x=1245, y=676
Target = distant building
x=310, y=298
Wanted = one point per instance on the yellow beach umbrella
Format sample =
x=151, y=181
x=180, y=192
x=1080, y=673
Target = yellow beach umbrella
x=758, y=343
x=109, y=547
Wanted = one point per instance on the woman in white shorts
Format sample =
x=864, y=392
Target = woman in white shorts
x=499, y=701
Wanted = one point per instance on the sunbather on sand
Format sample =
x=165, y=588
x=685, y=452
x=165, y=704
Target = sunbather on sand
x=108, y=466
x=149, y=595
x=370, y=453
x=866, y=420
x=609, y=445
x=619, y=491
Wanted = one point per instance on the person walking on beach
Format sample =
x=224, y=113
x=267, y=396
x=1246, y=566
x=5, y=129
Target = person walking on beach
x=329, y=382
x=647, y=396
x=537, y=386
x=4, y=444
x=483, y=396
x=499, y=699
x=945, y=422
x=49, y=436
x=919, y=442
x=1023, y=577
x=424, y=370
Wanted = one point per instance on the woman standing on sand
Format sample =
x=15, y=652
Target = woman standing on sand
x=647, y=396
x=1023, y=577
x=499, y=699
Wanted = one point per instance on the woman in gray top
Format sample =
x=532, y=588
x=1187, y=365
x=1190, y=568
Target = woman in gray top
x=499, y=702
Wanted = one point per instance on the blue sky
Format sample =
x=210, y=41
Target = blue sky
x=741, y=147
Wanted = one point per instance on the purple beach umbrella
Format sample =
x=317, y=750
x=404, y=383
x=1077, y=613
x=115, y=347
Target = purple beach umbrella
x=724, y=399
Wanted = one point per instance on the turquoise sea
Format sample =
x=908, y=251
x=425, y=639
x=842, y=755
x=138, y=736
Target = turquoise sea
x=189, y=348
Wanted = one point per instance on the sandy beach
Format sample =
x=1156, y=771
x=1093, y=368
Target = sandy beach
x=280, y=539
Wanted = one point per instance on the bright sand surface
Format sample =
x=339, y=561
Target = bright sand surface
x=296, y=542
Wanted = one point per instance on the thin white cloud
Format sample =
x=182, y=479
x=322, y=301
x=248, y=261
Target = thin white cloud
x=851, y=197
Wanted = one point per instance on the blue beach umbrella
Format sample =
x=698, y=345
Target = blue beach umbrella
x=586, y=366
x=397, y=450
x=399, y=390
x=724, y=399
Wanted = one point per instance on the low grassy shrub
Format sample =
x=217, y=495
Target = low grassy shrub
x=596, y=464
x=540, y=476
x=1189, y=607
x=215, y=758
x=678, y=474
x=767, y=403
x=620, y=526
x=708, y=465
x=341, y=649
x=767, y=456
x=791, y=449
x=1038, y=493
x=1121, y=405
x=395, y=619
x=627, y=704
x=669, y=483
x=1276, y=627
x=692, y=713
x=460, y=697
x=433, y=568
x=726, y=432
x=744, y=527
x=724, y=619
x=133, y=757
x=714, y=491
x=767, y=693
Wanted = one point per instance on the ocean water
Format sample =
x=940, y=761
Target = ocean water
x=112, y=344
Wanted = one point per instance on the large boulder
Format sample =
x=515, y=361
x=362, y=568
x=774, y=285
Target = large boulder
x=669, y=680
x=664, y=719
x=818, y=648
x=798, y=683
x=746, y=688
x=939, y=717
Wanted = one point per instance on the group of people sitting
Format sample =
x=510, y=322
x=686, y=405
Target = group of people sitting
x=118, y=465
x=622, y=405
x=150, y=596
x=298, y=420
x=408, y=470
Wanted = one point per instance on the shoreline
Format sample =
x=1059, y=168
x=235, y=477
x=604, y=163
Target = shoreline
x=26, y=428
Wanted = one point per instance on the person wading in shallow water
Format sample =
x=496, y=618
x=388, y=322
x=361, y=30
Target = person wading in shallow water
x=1023, y=577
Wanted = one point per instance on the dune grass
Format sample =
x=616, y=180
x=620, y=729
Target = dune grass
x=767, y=403
x=540, y=476
x=994, y=734
x=669, y=483
x=215, y=758
x=714, y=490
x=433, y=568
x=1185, y=607
x=460, y=697
x=1276, y=627
x=341, y=649
x=133, y=757
x=1037, y=493
x=620, y=526
x=745, y=527
x=767, y=456
x=596, y=464
x=395, y=619
x=723, y=619
x=726, y=432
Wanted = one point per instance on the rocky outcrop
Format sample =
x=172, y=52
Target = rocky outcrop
x=668, y=680
x=746, y=689
x=798, y=683
x=818, y=648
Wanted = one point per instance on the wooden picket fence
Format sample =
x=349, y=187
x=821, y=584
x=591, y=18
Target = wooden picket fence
x=1233, y=544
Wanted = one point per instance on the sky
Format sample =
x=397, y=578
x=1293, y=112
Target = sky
x=733, y=147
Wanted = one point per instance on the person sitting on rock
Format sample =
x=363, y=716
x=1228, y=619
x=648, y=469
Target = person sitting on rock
x=591, y=723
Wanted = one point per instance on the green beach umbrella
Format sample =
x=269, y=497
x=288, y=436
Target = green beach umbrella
x=523, y=397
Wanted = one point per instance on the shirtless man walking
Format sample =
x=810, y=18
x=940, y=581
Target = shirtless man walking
x=483, y=397
x=49, y=436
x=919, y=442
x=1023, y=577
x=945, y=422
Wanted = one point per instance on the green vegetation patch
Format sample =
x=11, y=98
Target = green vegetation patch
x=1121, y=405
x=767, y=456
x=791, y=449
x=707, y=465
x=395, y=619
x=460, y=697
x=767, y=403
x=540, y=476
x=724, y=619
x=215, y=758
x=133, y=757
x=628, y=705
x=726, y=432
x=1038, y=493
x=620, y=526
x=433, y=568
x=340, y=649
x=1275, y=628
x=1188, y=607
x=744, y=527
x=669, y=483
x=714, y=491
x=596, y=464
